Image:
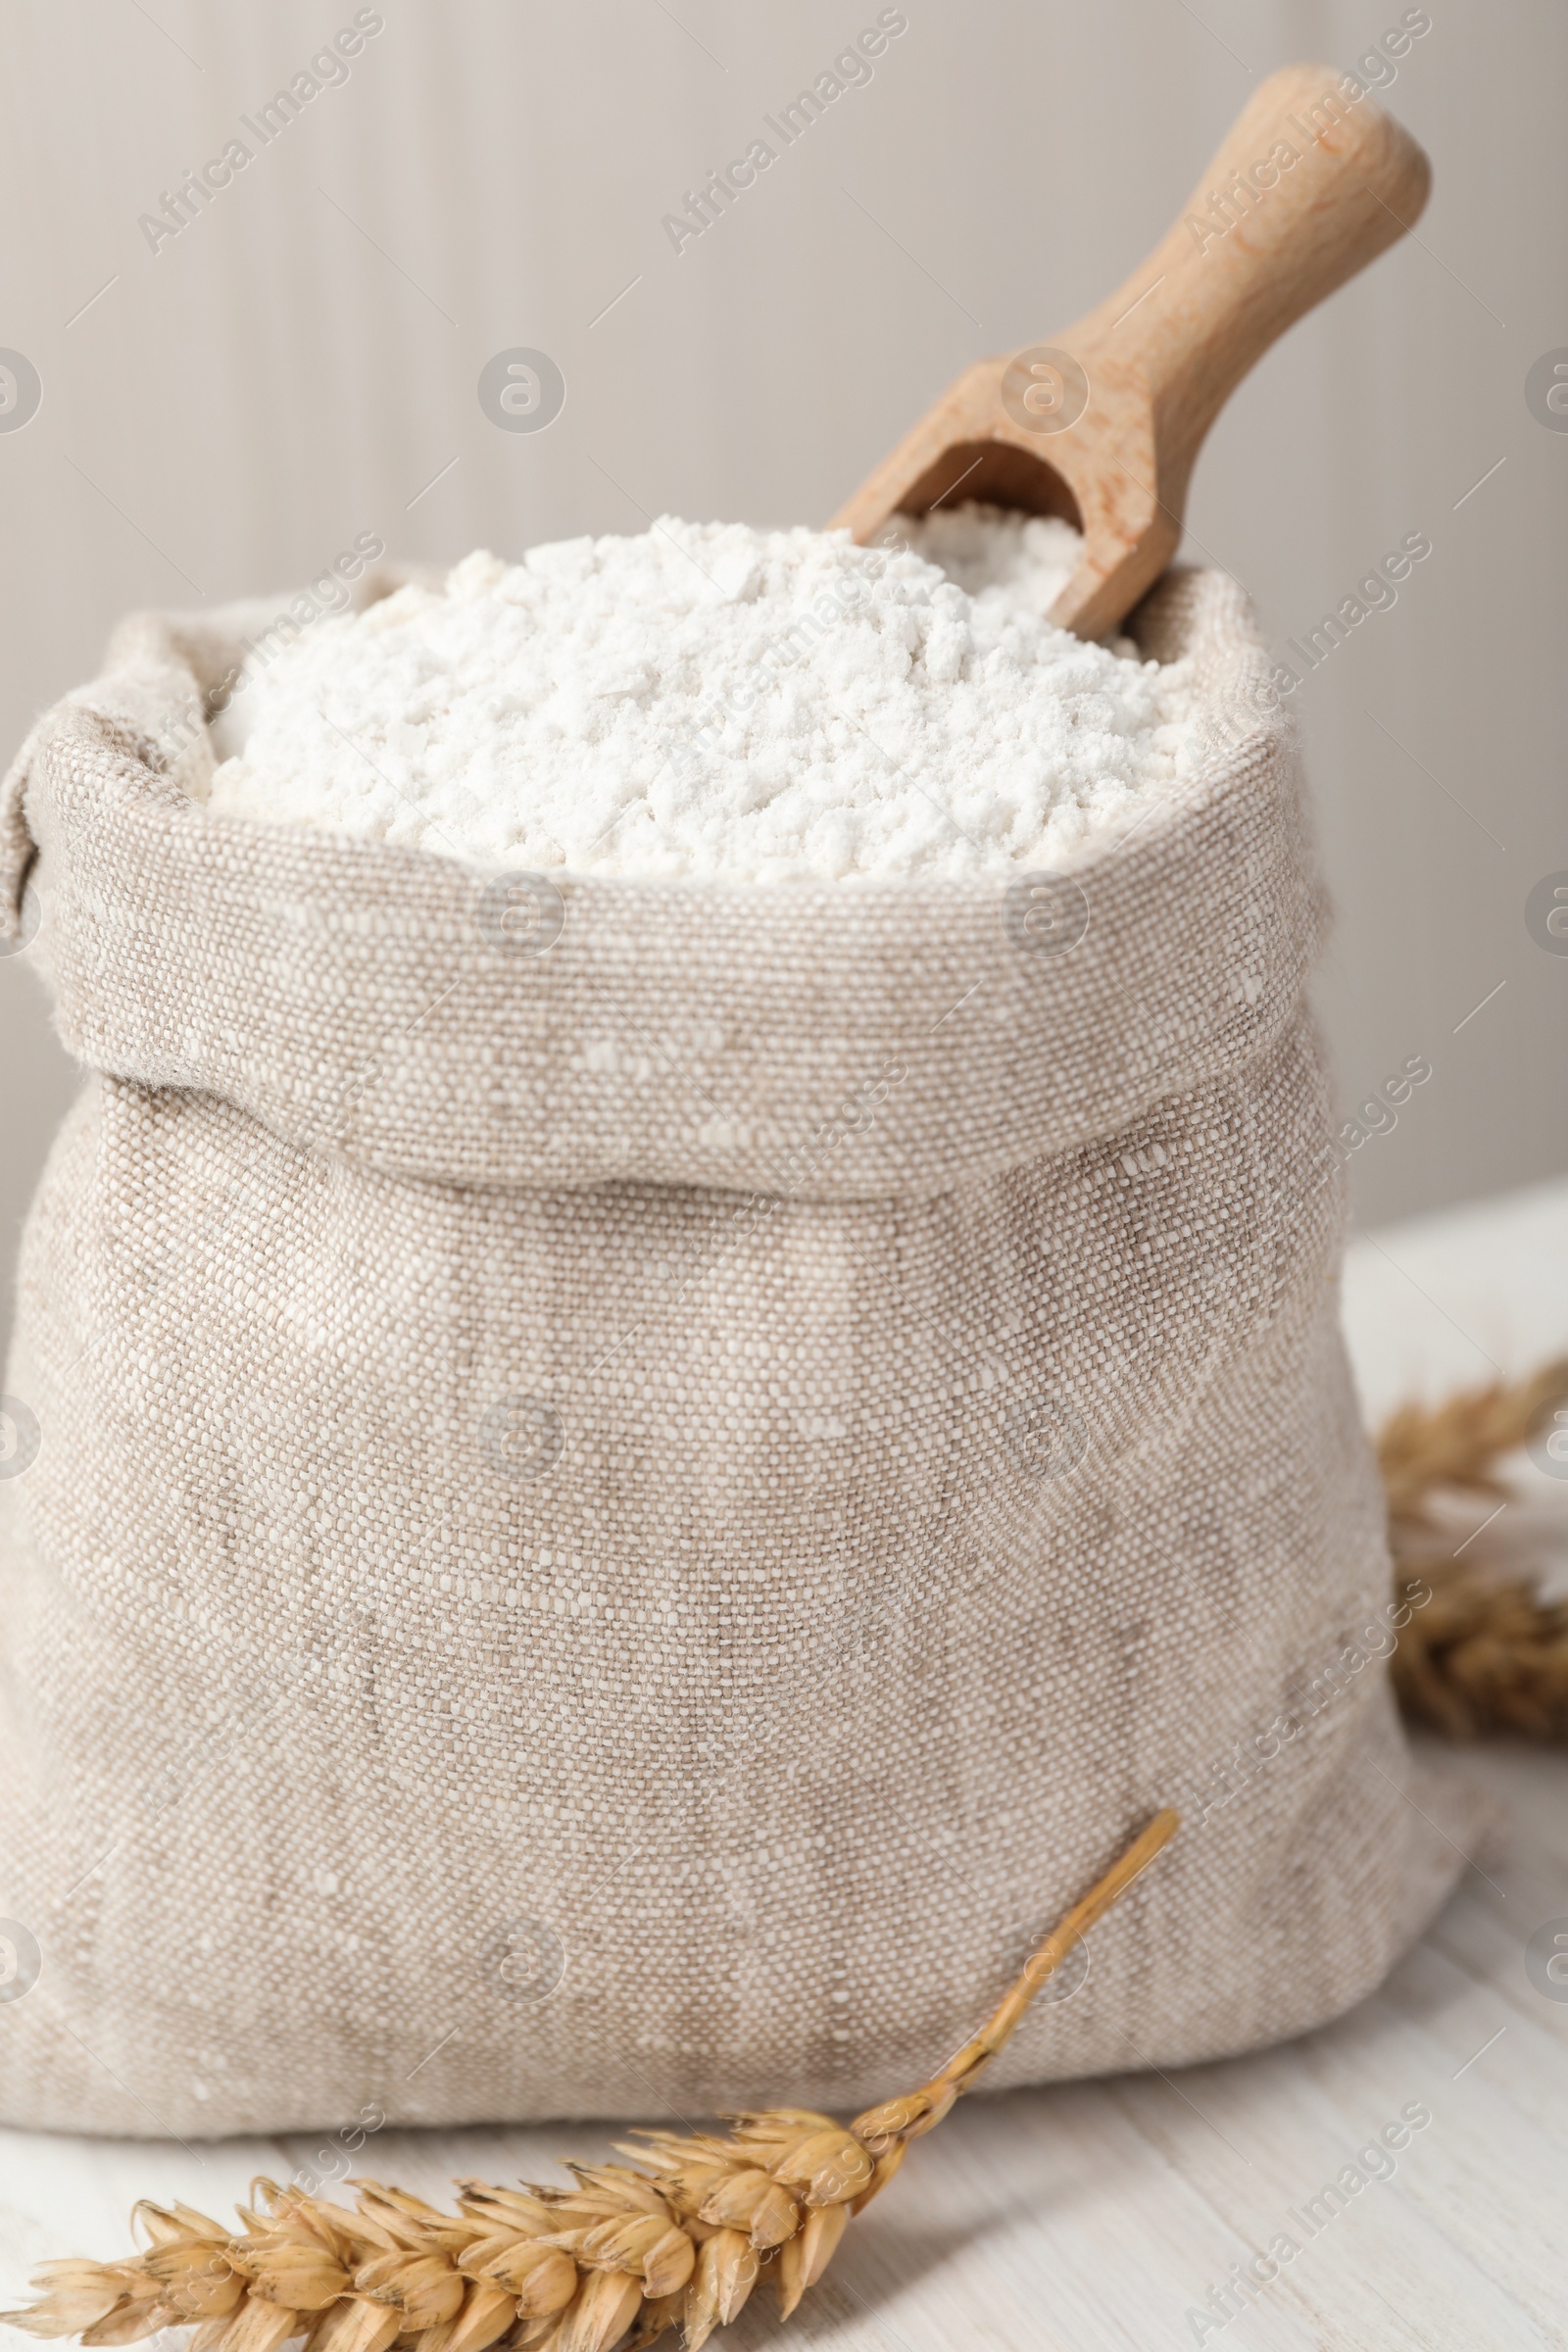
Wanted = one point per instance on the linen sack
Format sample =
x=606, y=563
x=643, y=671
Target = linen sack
x=618, y=1492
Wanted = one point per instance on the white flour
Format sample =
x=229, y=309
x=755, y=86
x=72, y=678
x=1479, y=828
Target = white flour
x=708, y=699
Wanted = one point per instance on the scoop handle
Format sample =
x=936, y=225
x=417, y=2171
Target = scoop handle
x=1309, y=185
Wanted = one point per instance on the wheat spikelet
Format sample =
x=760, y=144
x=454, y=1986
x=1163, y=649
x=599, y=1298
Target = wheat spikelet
x=1423, y=1448
x=1484, y=1653
x=680, y=2237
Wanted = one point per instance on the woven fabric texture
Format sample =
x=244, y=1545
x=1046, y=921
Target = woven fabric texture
x=620, y=1491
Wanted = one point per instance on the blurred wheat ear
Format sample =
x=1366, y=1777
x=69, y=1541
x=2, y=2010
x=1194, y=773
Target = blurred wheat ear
x=1481, y=1650
x=679, y=2237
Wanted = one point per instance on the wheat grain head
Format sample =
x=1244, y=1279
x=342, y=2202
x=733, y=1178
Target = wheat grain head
x=679, y=2237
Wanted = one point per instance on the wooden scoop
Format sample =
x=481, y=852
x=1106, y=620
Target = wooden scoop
x=1103, y=426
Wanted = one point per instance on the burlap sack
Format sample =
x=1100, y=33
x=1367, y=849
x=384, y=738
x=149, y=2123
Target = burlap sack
x=619, y=1490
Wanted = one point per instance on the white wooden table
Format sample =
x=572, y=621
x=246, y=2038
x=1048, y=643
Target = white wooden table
x=1104, y=2214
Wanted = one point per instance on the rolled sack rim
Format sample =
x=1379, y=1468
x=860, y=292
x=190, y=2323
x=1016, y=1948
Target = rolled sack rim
x=408, y=1012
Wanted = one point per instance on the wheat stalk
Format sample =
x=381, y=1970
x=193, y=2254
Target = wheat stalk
x=1482, y=1651
x=680, y=2237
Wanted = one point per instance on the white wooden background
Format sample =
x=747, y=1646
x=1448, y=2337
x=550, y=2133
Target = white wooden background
x=1095, y=2217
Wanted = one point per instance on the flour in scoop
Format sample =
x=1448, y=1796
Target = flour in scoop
x=707, y=699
